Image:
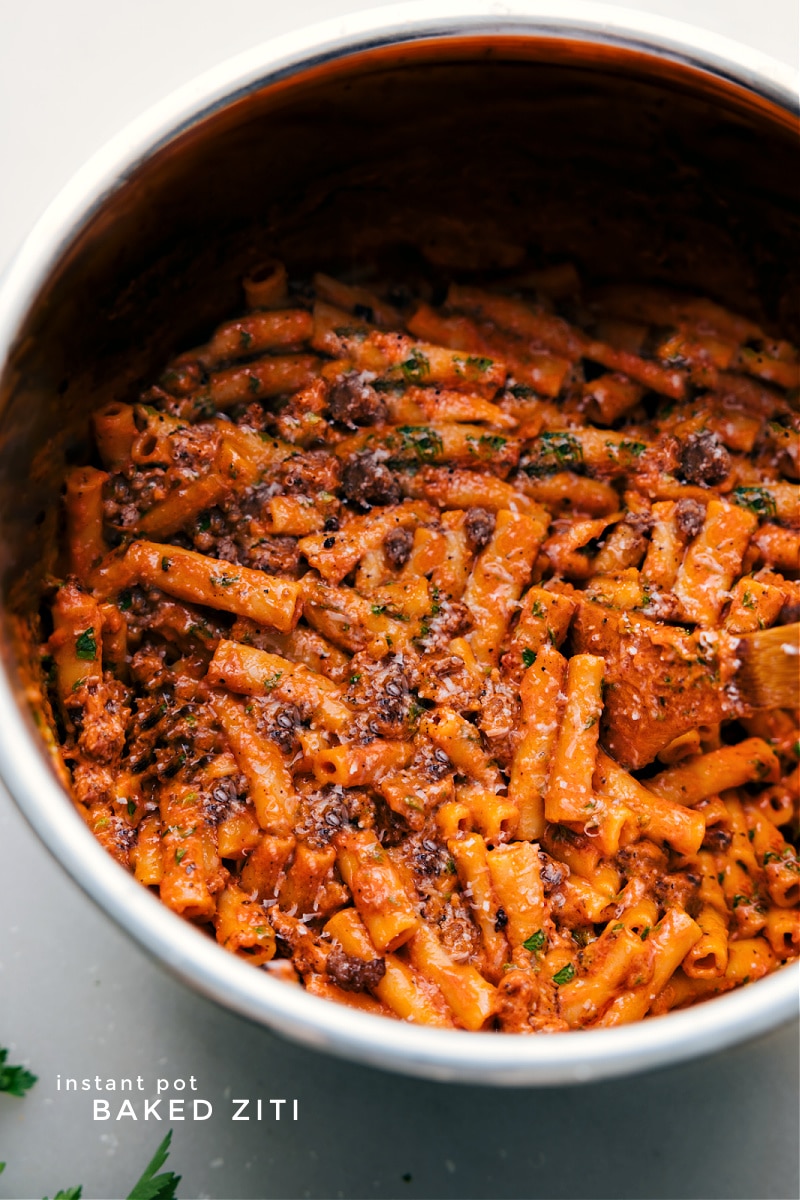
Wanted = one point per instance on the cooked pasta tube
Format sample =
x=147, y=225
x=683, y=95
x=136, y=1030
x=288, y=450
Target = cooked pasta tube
x=515, y=872
x=540, y=692
x=471, y=997
x=462, y=744
x=84, y=506
x=406, y=993
x=271, y=787
x=252, y=672
x=498, y=578
x=729, y=767
x=568, y=795
x=671, y=940
x=469, y=854
x=660, y=817
x=190, y=863
x=203, y=580
x=376, y=888
x=708, y=957
x=712, y=561
x=351, y=765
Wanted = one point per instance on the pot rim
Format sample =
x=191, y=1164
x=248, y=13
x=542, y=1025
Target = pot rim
x=499, y=1059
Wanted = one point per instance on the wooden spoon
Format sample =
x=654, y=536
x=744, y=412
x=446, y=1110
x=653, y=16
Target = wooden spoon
x=769, y=675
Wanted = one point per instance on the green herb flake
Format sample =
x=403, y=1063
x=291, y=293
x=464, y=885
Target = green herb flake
x=124, y=602
x=14, y=1080
x=425, y=444
x=478, y=364
x=272, y=681
x=165, y=564
x=565, y=975
x=253, y=384
x=416, y=367
x=180, y=854
x=245, y=338
x=535, y=942
x=644, y=935
x=131, y=807
x=631, y=449
x=86, y=646
x=554, y=451
x=528, y=657
x=377, y=610
x=354, y=678
x=757, y=499
x=487, y=445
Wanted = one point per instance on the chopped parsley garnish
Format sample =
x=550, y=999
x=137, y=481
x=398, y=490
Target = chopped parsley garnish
x=535, y=942
x=757, y=499
x=272, y=681
x=628, y=449
x=86, y=646
x=424, y=444
x=416, y=367
x=486, y=445
x=566, y=974
x=553, y=452
x=528, y=657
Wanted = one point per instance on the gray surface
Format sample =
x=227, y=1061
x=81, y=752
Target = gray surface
x=77, y=998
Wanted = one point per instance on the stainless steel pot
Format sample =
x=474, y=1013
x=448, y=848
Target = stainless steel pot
x=637, y=146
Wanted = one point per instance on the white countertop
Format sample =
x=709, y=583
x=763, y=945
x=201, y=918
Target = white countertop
x=78, y=999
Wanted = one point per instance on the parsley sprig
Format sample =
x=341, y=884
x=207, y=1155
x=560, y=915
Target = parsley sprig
x=149, y=1185
x=14, y=1080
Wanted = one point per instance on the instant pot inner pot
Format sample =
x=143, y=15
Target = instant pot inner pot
x=462, y=159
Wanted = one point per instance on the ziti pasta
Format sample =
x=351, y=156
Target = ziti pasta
x=395, y=646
